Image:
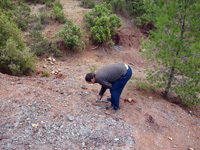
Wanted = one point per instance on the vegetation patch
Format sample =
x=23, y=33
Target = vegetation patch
x=15, y=58
x=101, y=23
x=72, y=35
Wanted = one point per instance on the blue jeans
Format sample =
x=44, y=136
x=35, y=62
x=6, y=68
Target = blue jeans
x=117, y=88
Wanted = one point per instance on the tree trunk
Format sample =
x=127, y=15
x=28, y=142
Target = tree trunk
x=165, y=95
x=169, y=81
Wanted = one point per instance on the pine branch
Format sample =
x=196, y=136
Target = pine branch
x=158, y=73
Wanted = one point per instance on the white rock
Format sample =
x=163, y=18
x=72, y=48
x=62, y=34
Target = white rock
x=170, y=138
x=49, y=59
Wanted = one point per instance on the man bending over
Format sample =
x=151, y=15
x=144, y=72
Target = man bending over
x=113, y=77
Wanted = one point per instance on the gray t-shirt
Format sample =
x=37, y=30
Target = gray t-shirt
x=107, y=75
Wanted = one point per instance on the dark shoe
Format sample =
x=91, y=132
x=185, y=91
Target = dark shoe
x=108, y=99
x=110, y=110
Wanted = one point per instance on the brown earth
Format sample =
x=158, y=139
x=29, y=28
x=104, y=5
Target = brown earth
x=60, y=112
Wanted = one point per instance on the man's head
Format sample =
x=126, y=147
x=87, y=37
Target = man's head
x=90, y=78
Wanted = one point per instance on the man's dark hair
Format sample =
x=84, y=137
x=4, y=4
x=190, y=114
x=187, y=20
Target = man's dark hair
x=89, y=76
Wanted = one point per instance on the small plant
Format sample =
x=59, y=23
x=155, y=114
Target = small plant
x=110, y=43
x=54, y=50
x=58, y=53
x=58, y=4
x=93, y=68
x=141, y=84
x=58, y=14
x=22, y=16
x=87, y=3
x=38, y=25
x=71, y=34
x=45, y=74
x=131, y=80
x=44, y=17
x=49, y=4
x=38, y=43
x=117, y=5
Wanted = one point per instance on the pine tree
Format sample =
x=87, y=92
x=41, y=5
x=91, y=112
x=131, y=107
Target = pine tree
x=175, y=49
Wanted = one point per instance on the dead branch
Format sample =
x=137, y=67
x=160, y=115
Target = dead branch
x=95, y=47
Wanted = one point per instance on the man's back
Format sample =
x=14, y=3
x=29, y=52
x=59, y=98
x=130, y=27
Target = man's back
x=110, y=73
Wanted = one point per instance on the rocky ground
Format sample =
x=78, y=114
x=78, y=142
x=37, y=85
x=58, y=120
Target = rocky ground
x=60, y=112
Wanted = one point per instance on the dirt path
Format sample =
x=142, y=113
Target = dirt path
x=61, y=113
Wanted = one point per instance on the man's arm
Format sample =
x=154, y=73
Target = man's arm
x=102, y=91
x=105, y=84
x=104, y=87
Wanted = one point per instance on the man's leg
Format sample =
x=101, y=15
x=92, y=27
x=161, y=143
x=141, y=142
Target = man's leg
x=115, y=96
x=118, y=87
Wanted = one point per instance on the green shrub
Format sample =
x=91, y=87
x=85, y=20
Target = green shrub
x=117, y=5
x=58, y=14
x=22, y=15
x=58, y=4
x=39, y=1
x=38, y=43
x=58, y=53
x=93, y=68
x=15, y=56
x=46, y=1
x=110, y=43
x=6, y=4
x=71, y=34
x=38, y=25
x=102, y=23
x=87, y=3
x=45, y=74
x=49, y=4
x=54, y=50
x=44, y=17
x=142, y=11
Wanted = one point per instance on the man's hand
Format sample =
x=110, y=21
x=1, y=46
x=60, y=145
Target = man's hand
x=99, y=97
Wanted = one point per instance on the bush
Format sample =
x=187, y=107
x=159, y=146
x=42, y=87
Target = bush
x=18, y=12
x=6, y=4
x=49, y=4
x=102, y=23
x=71, y=34
x=58, y=4
x=93, y=68
x=58, y=14
x=117, y=5
x=55, y=50
x=22, y=16
x=44, y=17
x=110, y=43
x=45, y=74
x=87, y=3
x=39, y=1
x=38, y=25
x=15, y=58
x=38, y=43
